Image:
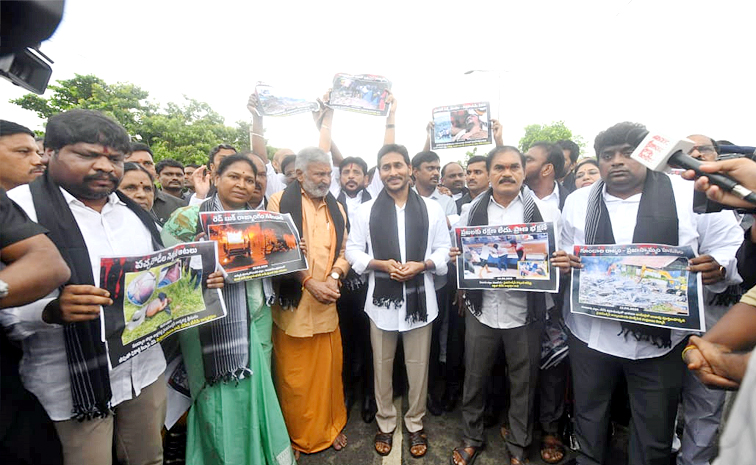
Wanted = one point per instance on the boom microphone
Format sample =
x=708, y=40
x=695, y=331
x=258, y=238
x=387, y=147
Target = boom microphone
x=656, y=152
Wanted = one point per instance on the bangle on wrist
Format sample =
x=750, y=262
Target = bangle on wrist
x=304, y=281
x=325, y=126
x=390, y=126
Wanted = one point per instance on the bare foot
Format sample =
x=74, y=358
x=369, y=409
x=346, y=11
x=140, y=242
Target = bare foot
x=340, y=442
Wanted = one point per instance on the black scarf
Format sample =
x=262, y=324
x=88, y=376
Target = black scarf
x=353, y=281
x=85, y=351
x=225, y=341
x=479, y=217
x=656, y=223
x=288, y=287
x=384, y=238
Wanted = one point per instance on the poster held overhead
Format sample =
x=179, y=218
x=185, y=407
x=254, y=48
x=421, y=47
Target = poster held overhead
x=362, y=93
x=461, y=125
x=277, y=102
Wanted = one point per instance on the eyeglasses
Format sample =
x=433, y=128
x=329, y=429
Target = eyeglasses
x=702, y=149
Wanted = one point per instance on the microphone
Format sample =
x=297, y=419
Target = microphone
x=656, y=152
x=749, y=152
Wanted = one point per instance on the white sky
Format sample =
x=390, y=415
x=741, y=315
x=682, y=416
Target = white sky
x=679, y=67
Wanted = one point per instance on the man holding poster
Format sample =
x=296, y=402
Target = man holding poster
x=514, y=318
x=633, y=205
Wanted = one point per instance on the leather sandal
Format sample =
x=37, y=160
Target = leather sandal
x=383, y=439
x=551, y=446
x=466, y=457
x=418, y=440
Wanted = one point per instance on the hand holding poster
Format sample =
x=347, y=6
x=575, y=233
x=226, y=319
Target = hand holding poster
x=254, y=244
x=638, y=283
x=513, y=257
x=155, y=296
x=461, y=125
x=273, y=102
x=363, y=93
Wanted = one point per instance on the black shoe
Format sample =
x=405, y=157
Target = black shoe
x=369, y=409
x=434, y=406
x=449, y=400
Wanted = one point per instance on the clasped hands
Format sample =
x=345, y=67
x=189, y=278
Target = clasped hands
x=401, y=271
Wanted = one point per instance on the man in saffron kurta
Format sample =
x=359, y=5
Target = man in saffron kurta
x=306, y=339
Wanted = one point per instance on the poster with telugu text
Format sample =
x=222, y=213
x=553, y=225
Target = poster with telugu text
x=512, y=257
x=156, y=295
x=254, y=244
x=638, y=283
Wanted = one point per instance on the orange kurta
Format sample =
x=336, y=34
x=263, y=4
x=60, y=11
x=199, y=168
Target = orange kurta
x=307, y=351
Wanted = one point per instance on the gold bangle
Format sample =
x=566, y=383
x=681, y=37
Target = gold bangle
x=304, y=281
x=686, y=349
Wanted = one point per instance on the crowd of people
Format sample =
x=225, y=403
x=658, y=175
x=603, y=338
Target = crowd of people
x=377, y=311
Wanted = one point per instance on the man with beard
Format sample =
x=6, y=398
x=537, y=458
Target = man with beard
x=171, y=177
x=400, y=239
x=65, y=361
x=571, y=152
x=634, y=205
x=545, y=163
x=306, y=337
x=453, y=178
x=496, y=317
x=20, y=162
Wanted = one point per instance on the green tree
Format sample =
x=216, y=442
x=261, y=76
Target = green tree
x=553, y=132
x=185, y=131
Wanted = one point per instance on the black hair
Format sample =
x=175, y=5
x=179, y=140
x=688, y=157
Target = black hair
x=140, y=147
x=230, y=160
x=9, y=128
x=395, y=148
x=215, y=150
x=443, y=170
x=501, y=149
x=168, y=162
x=89, y=126
x=354, y=160
x=571, y=147
x=476, y=159
x=586, y=161
x=192, y=165
x=620, y=134
x=286, y=161
x=554, y=156
x=424, y=157
x=131, y=166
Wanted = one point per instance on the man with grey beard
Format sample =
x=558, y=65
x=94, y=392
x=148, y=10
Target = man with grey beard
x=306, y=338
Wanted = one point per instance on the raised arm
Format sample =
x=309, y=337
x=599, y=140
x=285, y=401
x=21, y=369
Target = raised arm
x=257, y=138
x=324, y=121
x=497, y=133
x=428, y=132
x=390, y=135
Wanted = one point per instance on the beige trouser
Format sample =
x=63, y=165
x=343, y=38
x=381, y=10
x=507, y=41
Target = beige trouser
x=416, y=344
x=137, y=424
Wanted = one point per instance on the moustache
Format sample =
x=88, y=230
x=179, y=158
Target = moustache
x=103, y=177
x=507, y=180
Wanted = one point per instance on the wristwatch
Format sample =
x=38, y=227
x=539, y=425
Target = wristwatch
x=3, y=289
x=335, y=275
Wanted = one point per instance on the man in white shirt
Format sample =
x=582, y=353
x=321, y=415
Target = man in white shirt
x=64, y=362
x=640, y=206
x=453, y=178
x=407, y=240
x=545, y=163
x=514, y=318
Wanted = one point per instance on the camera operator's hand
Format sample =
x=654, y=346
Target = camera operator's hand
x=742, y=170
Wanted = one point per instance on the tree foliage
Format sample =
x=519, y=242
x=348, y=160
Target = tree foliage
x=185, y=131
x=553, y=132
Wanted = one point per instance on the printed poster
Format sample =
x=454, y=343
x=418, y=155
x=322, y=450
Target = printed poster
x=276, y=102
x=156, y=295
x=254, y=244
x=461, y=125
x=513, y=257
x=363, y=93
x=639, y=283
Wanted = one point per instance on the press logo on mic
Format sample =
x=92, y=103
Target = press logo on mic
x=655, y=150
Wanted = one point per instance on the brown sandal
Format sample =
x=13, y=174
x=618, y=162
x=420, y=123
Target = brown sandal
x=418, y=440
x=466, y=457
x=552, y=446
x=385, y=440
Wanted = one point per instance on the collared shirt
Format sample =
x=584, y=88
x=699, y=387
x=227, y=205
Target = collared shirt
x=116, y=231
x=312, y=317
x=353, y=204
x=165, y=204
x=715, y=234
x=275, y=181
x=553, y=198
x=506, y=309
x=436, y=250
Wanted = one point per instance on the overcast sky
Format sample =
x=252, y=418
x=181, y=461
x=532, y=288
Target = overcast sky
x=679, y=67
